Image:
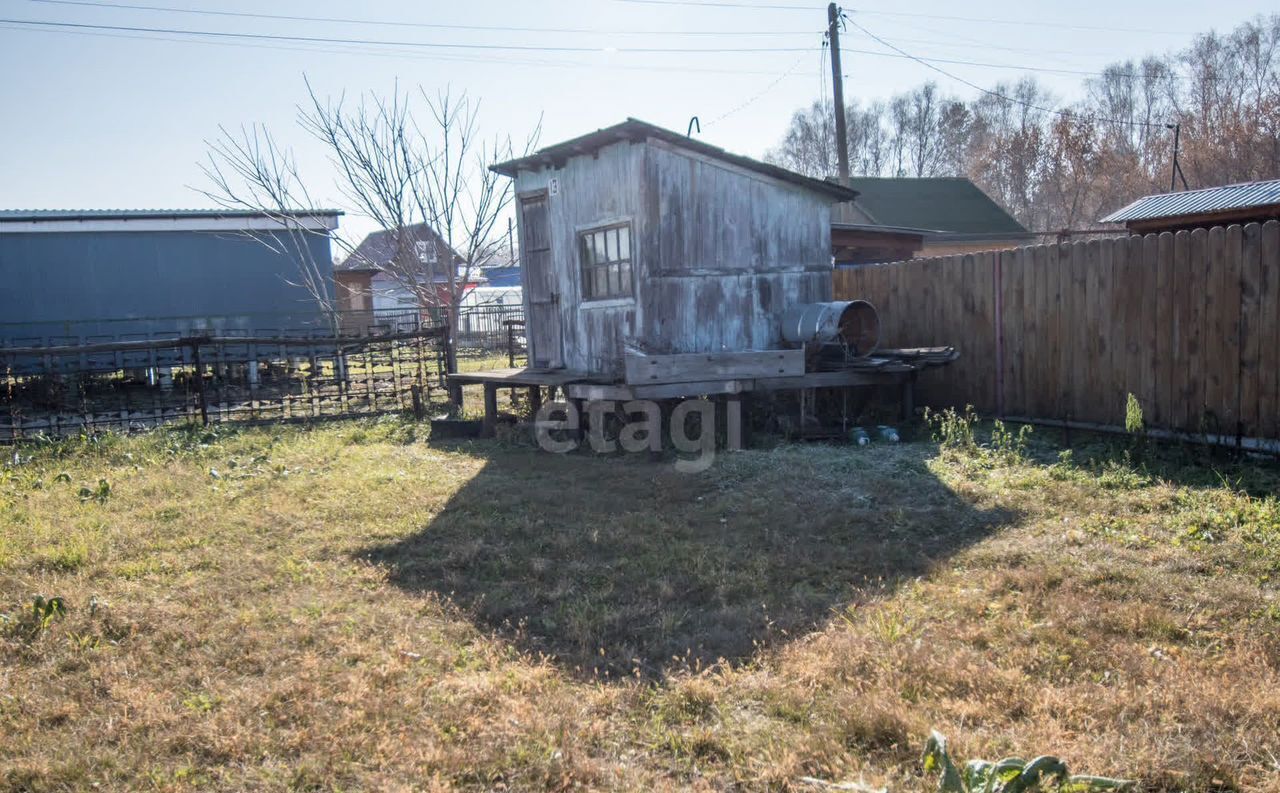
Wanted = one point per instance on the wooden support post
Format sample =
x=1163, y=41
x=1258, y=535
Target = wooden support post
x=535, y=399
x=736, y=421
x=489, y=427
x=419, y=409
x=908, y=397
x=580, y=406
x=204, y=405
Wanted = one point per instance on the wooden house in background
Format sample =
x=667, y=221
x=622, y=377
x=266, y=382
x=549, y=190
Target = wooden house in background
x=371, y=298
x=638, y=238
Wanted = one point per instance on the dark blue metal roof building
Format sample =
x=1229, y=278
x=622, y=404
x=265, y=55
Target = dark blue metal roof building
x=504, y=276
x=69, y=276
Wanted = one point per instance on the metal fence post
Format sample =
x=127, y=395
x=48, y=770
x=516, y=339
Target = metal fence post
x=195, y=356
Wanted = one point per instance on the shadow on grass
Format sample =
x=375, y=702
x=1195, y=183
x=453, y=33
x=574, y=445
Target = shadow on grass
x=621, y=565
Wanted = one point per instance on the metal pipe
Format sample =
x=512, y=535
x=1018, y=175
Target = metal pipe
x=1262, y=445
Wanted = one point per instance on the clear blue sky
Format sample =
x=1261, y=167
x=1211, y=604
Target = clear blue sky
x=120, y=120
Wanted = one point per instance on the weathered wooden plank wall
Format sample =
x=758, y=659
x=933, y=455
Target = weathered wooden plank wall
x=1189, y=323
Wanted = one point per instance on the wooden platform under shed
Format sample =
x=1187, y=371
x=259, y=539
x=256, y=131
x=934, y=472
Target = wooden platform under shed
x=582, y=386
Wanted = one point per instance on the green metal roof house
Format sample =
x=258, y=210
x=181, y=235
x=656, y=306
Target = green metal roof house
x=930, y=216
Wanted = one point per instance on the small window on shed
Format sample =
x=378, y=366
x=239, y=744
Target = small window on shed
x=605, y=255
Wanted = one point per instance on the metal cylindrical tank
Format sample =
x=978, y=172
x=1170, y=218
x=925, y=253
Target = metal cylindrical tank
x=853, y=323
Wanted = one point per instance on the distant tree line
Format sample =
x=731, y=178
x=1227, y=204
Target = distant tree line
x=1057, y=166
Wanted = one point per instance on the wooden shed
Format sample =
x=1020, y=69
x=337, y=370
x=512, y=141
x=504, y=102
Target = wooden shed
x=635, y=238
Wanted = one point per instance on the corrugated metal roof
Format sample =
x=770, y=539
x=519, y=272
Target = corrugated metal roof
x=1198, y=202
x=635, y=129
x=135, y=214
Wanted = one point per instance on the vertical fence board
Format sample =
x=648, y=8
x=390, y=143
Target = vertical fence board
x=1232, y=342
x=1133, y=335
x=1010, y=286
x=1221, y=333
x=892, y=298
x=1114, y=254
x=1045, y=360
x=1269, y=333
x=1097, y=369
x=1029, y=328
x=970, y=319
x=1147, y=344
x=1197, y=256
x=1250, y=327
x=984, y=273
x=1183, y=290
x=1052, y=359
x=950, y=310
x=1077, y=337
x=1163, y=329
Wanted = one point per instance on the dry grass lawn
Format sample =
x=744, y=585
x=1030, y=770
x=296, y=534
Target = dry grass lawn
x=352, y=607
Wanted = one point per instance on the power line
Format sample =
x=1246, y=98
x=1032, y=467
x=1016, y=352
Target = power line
x=950, y=18
x=762, y=92
x=1024, y=22
x=428, y=25
x=377, y=42
x=958, y=62
x=723, y=4
x=456, y=46
x=998, y=95
x=978, y=44
x=415, y=55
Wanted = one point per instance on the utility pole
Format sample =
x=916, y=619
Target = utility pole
x=837, y=84
x=1173, y=172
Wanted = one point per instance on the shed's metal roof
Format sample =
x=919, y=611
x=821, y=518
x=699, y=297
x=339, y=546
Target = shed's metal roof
x=635, y=130
x=148, y=214
x=1198, y=202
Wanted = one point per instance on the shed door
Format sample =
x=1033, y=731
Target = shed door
x=543, y=322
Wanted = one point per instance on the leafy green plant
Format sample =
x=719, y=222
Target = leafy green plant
x=1134, y=422
x=1007, y=446
x=37, y=619
x=956, y=431
x=45, y=610
x=99, y=494
x=952, y=429
x=1010, y=775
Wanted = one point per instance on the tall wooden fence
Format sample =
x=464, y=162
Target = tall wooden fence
x=1189, y=323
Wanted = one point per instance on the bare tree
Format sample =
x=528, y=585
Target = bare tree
x=809, y=146
x=407, y=160
x=249, y=171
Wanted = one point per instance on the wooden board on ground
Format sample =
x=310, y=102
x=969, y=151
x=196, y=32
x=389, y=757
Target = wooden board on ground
x=693, y=367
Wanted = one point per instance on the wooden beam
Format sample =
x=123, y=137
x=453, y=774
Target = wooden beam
x=698, y=367
x=489, y=427
x=695, y=389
